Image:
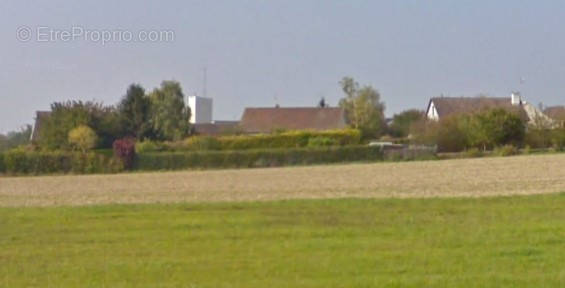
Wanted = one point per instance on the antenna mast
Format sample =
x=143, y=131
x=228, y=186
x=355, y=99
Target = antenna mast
x=205, y=82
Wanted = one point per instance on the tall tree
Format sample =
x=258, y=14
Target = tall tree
x=323, y=103
x=169, y=114
x=135, y=113
x=363, y=108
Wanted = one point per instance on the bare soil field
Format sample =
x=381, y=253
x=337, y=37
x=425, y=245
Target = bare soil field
x=449, y=178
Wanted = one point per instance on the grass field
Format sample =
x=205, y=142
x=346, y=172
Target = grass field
x=412, y=224
x=463, y=177
x=514, y=241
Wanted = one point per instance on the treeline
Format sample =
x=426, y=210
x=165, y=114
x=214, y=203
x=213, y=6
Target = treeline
x=15, y=139
x=75, y=125
x=486, y=130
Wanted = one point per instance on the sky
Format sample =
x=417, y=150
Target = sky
x=291, y=53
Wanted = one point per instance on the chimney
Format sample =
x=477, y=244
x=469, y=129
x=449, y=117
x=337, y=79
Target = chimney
x=516, y=99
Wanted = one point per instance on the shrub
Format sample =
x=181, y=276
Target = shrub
x=124, y=150
x=69, y=115
x=473, y=153
x=288, y=139
x=83, y=138
x=321, y=142
x=539, y=138
x=506, y=150
x=558, y=139
x=451, y=134
x=484, y=130
x=35, y=163
x=149, y=146
x=2, y=168
x=202, y=143
x=256, y=158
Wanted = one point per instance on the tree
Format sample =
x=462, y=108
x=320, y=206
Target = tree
x=402, y=123
x=135, y=113
x=169, y=114
x=15, y=138
x=323, y=103
x=363, y=108
x=496, y=127
x=83, y=138
x=68, y=115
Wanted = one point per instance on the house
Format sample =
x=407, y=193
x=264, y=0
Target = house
x=266, y=120
x=442, y=107
x=40, y=119
x=216, y=128
x=556, y=113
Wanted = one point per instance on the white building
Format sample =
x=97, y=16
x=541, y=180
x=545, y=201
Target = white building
x=201, y=109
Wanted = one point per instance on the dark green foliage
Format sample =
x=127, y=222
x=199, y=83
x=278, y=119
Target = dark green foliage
x=2, y=167
x=486, y=130
x=135, y=112
x=495, y=127
x=15, y=138
x=256, y=158
x=539, y=137
x=105, y=122
x=20, y=162
x=169, y=114
x=452, y=135
x=401, y=123
x=558, y=139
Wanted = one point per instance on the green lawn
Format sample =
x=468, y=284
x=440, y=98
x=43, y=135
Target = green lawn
x=487, y=242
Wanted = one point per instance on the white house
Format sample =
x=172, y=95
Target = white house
x=441, y=107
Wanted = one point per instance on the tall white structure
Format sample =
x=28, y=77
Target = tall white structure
x=201, y=109
x=516, y=98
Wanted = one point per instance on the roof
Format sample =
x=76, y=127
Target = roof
x=555, y=112
x=265, y=120
x=216, y=128
x=40, y=118
x=447, y=106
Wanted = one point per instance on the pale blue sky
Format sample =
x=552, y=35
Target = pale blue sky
x=296, y=51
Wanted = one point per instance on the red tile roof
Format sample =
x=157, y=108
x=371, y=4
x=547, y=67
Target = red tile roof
x=40, y=119
x=266, y=120
x=556, y=112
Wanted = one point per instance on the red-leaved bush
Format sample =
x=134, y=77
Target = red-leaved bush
x=124, y=149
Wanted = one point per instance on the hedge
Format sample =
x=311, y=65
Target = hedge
x=18, y=162
x=2, y=168
x=255, y=158
x=291, y=139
